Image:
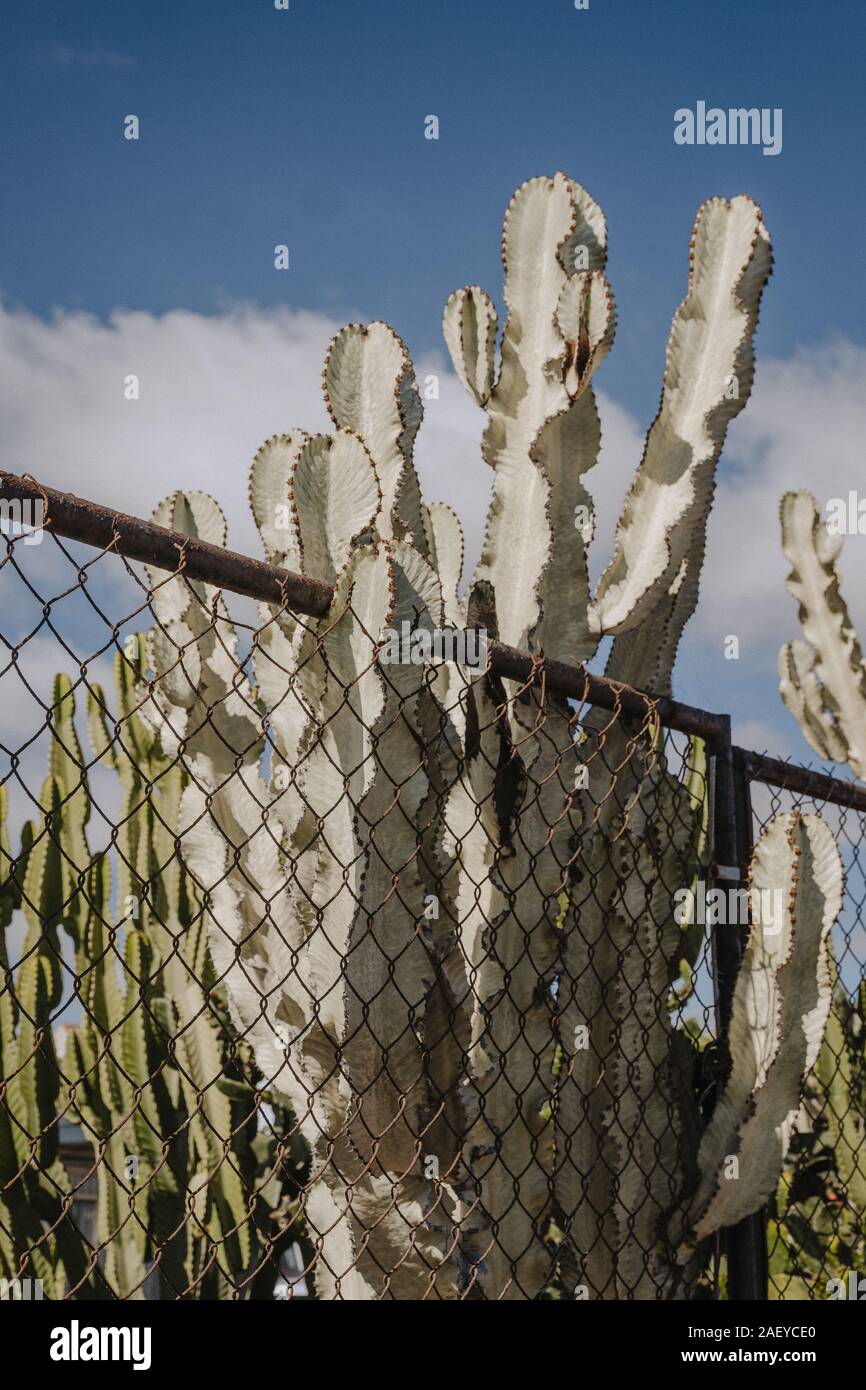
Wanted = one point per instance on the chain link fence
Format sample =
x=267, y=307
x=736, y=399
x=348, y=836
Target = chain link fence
x=357, y=970
x=816, y=1226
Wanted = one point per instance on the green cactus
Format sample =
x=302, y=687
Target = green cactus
x=164, y=1089
x=817, y=1226
x=38, y=1238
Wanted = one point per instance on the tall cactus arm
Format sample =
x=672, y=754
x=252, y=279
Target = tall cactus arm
x=543, y=432
x=469, y=326
x=445, y=549
x=270, y=490
x=804, y=695
x=621, y=1117
x=710, y=337
x=650, y=589
x=445, y=552
x=511, y=1148
x=391, y=973
x=370, y=389
x=781, y=1003
x=67, y=766
x=824, y=683
x=325, y=923
x=509, y=905
x=286, y=662
x=331, y=495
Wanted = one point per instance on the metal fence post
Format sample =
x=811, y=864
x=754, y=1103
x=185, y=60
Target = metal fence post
x=746, y=1243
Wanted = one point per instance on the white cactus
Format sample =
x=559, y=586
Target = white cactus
x=781, y=1003
x=431, y=1057
x=823, y=679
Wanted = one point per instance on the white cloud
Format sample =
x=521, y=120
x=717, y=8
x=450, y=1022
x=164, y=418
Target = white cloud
x=213, y=388
x=805, y=427
x=763, y=737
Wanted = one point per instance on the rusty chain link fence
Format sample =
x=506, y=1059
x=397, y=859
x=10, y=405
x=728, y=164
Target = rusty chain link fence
x=378, y=992
x=816, y=1226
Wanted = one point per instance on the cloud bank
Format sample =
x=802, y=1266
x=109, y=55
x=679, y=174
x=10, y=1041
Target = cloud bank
x=213, y=388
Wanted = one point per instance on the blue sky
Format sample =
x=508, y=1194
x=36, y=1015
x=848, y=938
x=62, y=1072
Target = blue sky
x=306, y=127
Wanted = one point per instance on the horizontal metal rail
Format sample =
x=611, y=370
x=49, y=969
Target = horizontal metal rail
x=102, y=527
x=775, y=772
x=77, y=519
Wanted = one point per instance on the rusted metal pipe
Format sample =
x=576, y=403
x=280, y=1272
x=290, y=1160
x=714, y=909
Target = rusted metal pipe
x=582, y=685
x=109, y=530
x=102, y=527
x=803, y=780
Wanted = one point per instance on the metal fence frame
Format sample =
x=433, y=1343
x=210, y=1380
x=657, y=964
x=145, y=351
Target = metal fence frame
x=731, y=769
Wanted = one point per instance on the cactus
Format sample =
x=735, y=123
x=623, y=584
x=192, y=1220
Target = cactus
x=432, y=1058
x=781, y=1004
x=817, y=1229
x=823, y=684
x=152, y=1072
x=840, y=1077
x=823, y=679
x=38, y=1238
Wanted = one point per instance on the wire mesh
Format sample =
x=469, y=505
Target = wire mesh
x=816, y=1227
x=339, y=970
